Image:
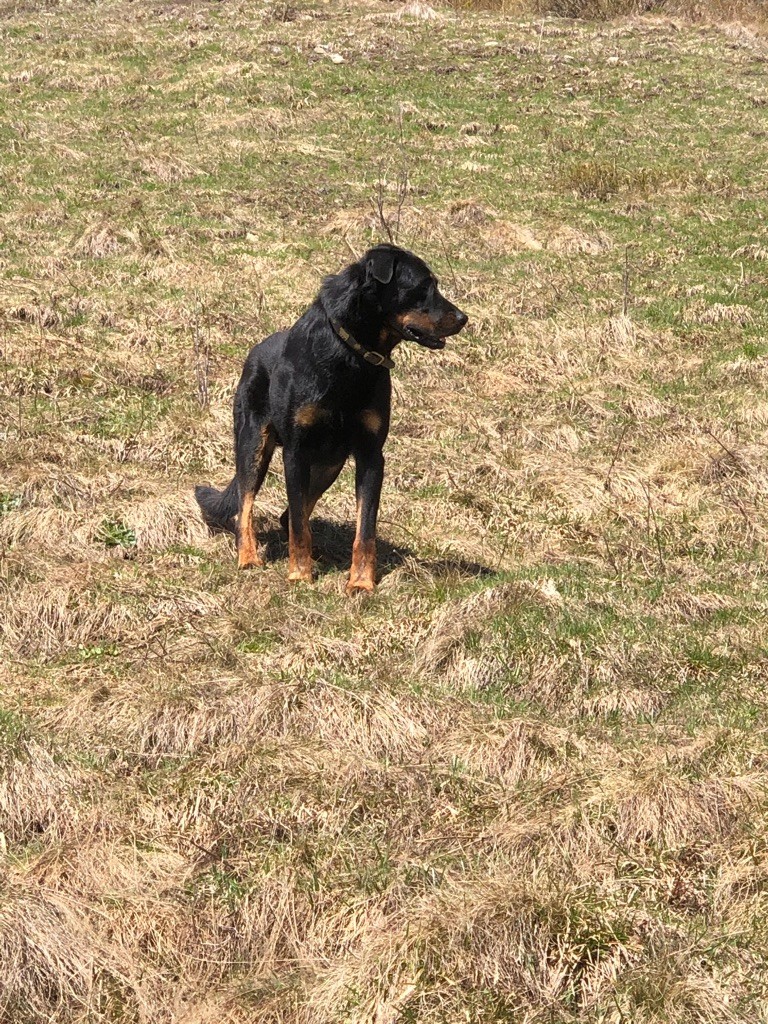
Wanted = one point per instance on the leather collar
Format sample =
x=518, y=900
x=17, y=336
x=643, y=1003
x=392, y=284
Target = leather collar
x=375, y=358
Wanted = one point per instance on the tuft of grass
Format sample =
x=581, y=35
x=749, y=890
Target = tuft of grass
x=601, y=179
x=115, y=533
x=9, y=503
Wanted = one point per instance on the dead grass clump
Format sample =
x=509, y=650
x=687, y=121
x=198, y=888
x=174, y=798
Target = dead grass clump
x=746, y=370
x=460, y=644
x=602, y=179
x=484, y=225
x=696, y=606
x=514, y=750
x=161, y=715
x=419, y=11
x=707, y=11
x=458, y=618
x=593, y=10
x=37, y=525
x=619, y=332
x=159, y=522
x=667, y=809
x=475, y=672
x=755, y=252
x=97, y=241
x=373, y=725
x=631, y=702
x=358, y=222
x=47, y=619
x=464, y=212
x=62, y=489
x=504, y=236
x=722, y=467
x=157, y=715
x=718, y=312
x=42, y=316
x=570, y=241
x=646, y=407
x=47, y=957
x=509, y=937
x=36, y=794
x=168, y=170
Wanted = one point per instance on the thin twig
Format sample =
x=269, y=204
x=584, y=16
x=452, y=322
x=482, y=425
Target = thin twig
x=736, y=458
x=202, y=362
x=607, y=481
x=625, y=283
x=656, y=531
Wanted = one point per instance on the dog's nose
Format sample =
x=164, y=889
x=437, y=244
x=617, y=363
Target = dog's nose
x=461, y=318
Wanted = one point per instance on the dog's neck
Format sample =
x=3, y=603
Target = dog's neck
x=343, y=303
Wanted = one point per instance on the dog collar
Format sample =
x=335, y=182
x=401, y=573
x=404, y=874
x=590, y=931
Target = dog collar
x=376, y=358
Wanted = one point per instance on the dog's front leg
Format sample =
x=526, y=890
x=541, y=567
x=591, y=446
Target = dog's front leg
x=369, y=476
x=297, y=473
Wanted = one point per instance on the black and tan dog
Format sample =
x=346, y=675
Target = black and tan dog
x=322, y=390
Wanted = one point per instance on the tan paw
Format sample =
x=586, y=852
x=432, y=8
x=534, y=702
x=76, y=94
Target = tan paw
x=300, y=575
x=251, y=562
x=359, y=586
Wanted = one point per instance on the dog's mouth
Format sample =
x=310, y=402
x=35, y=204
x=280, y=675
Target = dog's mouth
x=422, y=337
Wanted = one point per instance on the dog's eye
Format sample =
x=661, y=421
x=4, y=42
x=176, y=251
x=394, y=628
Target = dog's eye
x=422, y=290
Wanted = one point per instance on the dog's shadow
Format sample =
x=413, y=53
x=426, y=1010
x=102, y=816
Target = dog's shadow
x=332, y=550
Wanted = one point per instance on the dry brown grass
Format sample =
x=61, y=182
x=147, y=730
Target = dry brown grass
x=526, y=781
x=749, y=13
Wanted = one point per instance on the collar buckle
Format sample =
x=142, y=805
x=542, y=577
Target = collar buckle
x=375, y=358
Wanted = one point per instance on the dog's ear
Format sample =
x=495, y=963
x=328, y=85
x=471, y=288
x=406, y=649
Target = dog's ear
x=381, y=265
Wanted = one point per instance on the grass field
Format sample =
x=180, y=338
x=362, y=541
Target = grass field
x=526, y=780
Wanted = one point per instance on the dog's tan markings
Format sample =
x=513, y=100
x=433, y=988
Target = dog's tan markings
x=247, y=552
x=362, y=574
x=416, y=318
x=387, y=338
x=371, y=421
x=248, y=555
x=300, y=552
x=310, y=414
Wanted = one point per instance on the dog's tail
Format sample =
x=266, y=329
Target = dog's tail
x=219, y=507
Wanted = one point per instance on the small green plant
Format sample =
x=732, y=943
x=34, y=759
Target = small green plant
x=12, y=729
x=751, y=350
x=259, y=643
x=115, y=533
x=96, y=651
x=9, y=503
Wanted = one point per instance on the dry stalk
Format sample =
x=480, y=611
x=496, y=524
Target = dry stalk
x=202, y=351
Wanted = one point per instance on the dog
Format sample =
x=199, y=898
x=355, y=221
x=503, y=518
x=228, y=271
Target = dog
x=322, y=391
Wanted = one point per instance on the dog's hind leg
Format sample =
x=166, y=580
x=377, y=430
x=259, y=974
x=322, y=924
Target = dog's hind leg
x=255, y=447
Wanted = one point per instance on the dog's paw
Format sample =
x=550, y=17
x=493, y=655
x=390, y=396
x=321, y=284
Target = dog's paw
x=359, y=587
x=300, y=576
x=254, y=562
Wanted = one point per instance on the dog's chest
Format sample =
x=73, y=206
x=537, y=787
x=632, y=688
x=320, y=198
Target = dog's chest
x=322, y=418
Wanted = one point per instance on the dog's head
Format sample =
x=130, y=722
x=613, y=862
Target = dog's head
x=409, y=298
